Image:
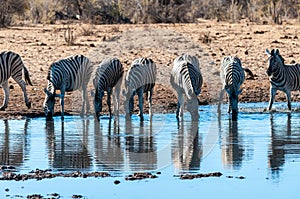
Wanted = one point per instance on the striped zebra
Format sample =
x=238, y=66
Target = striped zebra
x=186, y=79
x=67, y=75
x=232, y=77
x=140, y=79
x=282, y=77
x=11, y=65
x=108, y=76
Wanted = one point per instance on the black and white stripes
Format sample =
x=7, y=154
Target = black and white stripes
x=66, y=75
x=232, y=77
x=282, y=77
x=11, y=65
x=140, y=79
x=108, y=76
x=186, y=79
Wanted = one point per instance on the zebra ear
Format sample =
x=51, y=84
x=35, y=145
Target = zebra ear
x=272, y=52
x=268, y=52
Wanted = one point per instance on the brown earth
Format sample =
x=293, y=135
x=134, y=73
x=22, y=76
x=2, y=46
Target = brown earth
x=210, y=41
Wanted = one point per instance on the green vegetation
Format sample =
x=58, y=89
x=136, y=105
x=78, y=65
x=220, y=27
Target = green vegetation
x=146, y=11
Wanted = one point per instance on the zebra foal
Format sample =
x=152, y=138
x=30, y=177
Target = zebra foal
x=232, y=77
x=140, y=79
x=282, y=77
x=108, y=76
x=186, y=78
x=11, y=65
x=67, y=75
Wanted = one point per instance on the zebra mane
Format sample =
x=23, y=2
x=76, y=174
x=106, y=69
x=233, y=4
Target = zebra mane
x=48, y=74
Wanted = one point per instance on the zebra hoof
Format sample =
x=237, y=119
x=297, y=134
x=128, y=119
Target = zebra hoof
x=28, y=105
x=2, y=108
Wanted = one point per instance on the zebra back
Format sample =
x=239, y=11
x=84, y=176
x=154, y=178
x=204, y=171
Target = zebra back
x=232, y=74
x=186, y=74
x=108, y=74
x=142, y=73
x=73, y=71
x=11, y=64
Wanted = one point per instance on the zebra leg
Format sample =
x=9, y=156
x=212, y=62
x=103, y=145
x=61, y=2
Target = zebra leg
x=180, y=105
x=62, y=104
x=109, y=101
x=6, y=96
x=150, y=102
x=130, y=106
x=23, y=87
x=116, y=98
x=141, y=101
x=229, y=105
x=272, y=96
x=85, y=101
x=288, y=97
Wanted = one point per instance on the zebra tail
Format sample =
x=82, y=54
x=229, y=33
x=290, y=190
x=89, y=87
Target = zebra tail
x=26, y=74
x=249, y=72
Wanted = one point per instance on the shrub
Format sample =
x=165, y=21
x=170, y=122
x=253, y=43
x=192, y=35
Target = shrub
x=8, y=8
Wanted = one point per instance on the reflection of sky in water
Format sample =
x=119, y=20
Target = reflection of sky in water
x=263, y=147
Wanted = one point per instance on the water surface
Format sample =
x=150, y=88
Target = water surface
x=259, y=155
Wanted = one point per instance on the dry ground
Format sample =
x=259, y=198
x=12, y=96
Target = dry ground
x=40, y=45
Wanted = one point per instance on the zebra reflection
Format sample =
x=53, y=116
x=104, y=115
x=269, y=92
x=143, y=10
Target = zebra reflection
x=232, y=148
x=108, y=151
x=68, y=150
x=14, y=145
x=186, y=148
x=140, y=146
x=284, y=143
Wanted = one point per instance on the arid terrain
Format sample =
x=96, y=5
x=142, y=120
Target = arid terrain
x=40, y=45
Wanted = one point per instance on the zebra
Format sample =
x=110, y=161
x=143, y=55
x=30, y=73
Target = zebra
x=282, y=77
x=232, y=77
x=139, y=79
x=108, y=75
x=186, y=78
x=11, y=65
x=67, y=75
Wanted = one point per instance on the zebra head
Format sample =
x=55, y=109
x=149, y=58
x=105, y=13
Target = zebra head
x=128, y=101
x=275, y=61
x=98, y=102
x=233, y=94
x=48, y=104
x=192, y=107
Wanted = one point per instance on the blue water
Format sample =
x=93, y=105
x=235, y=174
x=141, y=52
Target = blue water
x=262, y=147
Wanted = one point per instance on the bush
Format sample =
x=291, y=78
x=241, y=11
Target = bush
x=8, y=8
x=148, y=11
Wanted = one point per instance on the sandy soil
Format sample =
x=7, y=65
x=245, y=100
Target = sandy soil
x=210, y=41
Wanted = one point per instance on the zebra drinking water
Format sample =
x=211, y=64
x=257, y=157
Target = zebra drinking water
x=67, y=75
x=282, y=77
x=108, y=76
x=11, y=65
x=140, y=79
x=232, y=77
x=186, y=79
